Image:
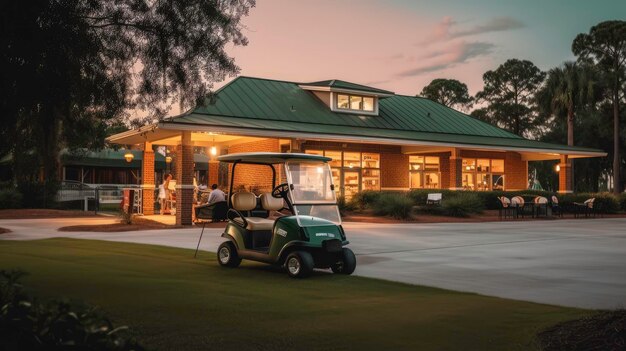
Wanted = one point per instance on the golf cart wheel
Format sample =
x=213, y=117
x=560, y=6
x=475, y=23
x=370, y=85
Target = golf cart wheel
x=347, y=265
x=299, y=264
x=227, y=255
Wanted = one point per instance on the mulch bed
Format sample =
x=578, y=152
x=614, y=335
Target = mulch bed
x=602, y=331
x=139, y=223
x=34, y=213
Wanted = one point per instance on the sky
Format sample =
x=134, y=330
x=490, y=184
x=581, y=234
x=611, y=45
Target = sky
x=401, y=45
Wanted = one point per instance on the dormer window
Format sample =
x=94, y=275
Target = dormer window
x=346, y=97
x=355, y=102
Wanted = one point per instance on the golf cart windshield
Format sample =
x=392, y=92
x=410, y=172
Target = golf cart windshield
x=311, y=192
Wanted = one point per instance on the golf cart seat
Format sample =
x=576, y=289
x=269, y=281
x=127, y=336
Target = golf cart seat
x=245, y=202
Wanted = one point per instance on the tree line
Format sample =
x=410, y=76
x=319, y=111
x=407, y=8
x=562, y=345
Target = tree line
x=579, y=103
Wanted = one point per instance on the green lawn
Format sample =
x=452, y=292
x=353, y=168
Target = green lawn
x=175, y=302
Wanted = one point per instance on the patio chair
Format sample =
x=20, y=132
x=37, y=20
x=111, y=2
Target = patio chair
x=434, y=199
x=541, y=206
x=556, y=208
x=586, y=208
x=506, y=209
x=214, y=212
x=519, y=203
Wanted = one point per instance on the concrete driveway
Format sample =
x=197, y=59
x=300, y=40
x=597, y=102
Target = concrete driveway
x=579, y=263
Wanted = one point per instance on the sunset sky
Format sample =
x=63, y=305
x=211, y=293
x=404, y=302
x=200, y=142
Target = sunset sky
x=402, y=45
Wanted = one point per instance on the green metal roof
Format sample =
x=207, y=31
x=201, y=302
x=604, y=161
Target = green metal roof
x=272, y=105
x=270, y=100
x=342, y=84
x=270, y=157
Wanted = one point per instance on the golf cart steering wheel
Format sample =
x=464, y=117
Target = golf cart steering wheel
x=281, y=191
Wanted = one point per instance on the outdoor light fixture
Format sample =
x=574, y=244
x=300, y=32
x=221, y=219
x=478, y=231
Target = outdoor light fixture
x=558, y=168
x=129, y=157
x=168, y=159
x=213, y=151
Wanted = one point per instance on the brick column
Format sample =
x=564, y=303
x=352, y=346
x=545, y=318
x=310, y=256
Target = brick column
x=184, y=180
x=213, y=173
x=565, y=175
x=147, y=179
x=456, y=170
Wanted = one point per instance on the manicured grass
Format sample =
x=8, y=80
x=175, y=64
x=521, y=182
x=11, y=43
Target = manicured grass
x=176, y=302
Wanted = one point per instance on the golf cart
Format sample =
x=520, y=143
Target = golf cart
x=296, y=226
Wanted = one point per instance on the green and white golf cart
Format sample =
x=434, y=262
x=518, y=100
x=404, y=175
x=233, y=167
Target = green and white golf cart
x=297, y=225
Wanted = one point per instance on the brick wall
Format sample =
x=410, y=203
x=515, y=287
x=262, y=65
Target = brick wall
x=148, y=184
x=255, y=178
x=516, y=171
x=394, y=170
x=213, y=173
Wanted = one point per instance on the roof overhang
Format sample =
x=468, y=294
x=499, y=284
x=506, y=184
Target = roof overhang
x=169, y=133
x=343, y=90
x=548, y=154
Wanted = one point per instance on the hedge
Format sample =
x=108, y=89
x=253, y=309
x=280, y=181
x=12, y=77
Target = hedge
x=10, y=198
x=622, y=201
x=605, y=202
x=462, y=205
x=396, y=205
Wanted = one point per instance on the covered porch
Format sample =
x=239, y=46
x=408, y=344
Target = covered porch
x=360, y=162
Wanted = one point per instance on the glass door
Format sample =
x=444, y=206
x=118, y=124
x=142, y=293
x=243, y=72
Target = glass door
x=351, y=181
x=336, y=173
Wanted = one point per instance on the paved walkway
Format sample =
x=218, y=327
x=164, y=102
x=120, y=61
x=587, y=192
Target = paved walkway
x=565, y=262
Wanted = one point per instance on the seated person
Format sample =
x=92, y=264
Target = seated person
x=215, y=208
x=216, y=195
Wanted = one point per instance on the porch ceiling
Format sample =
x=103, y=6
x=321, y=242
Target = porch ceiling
x=168, y=137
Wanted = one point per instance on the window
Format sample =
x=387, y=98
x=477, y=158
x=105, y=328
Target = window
x=483, y=174
x=352, y=171
x=370, y=174
x=368, y=104
x=424, y=172
x=356, y=103
x=343, y=102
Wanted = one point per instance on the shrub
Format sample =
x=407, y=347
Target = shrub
x=365, y=199
x=38, y=194
x=345, y=205
x=605, y=202
x=396, y=205
x=462, y=204
x=622, y=201
x=10, y=198
x=27, y=324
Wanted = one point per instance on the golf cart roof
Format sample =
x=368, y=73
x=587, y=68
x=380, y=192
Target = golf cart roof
x=270, y=157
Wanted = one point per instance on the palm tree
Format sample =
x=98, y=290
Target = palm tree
x=567, y=89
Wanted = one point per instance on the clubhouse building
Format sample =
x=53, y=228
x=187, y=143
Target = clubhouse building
x=377, y=141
